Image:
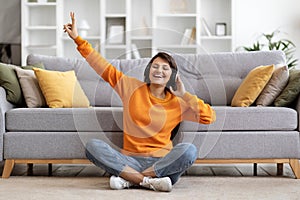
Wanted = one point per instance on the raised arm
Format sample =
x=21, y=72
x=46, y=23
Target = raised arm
x=108, y=72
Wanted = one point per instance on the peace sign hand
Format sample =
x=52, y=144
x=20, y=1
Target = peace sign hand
x=71, y=29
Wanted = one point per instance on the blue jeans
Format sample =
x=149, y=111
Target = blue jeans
x=173, y=165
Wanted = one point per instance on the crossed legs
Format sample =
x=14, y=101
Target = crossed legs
x=134, y=169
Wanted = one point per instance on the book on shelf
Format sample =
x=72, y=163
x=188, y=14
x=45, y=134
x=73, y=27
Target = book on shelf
x=135, y=51
x=193, y=36
x=189, y=36
x=205, y=27
x=186, y=36
x=116, y=34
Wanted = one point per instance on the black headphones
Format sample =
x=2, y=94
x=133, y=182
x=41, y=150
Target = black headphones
x=171, y=82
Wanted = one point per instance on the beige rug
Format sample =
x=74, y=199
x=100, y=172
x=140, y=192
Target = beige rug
x=189, y=187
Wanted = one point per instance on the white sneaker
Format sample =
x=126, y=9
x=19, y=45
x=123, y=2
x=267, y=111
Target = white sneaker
x=118, y=183
x=157, y=184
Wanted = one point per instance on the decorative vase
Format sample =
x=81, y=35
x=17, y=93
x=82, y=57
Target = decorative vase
x=83, y=28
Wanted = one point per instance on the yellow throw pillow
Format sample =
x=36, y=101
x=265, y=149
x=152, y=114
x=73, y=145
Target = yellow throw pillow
x=61, y=89
x=252, y=86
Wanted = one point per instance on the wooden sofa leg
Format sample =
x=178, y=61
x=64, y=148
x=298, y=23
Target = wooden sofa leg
x=294, y=163
x=279, y=169
x=49, y=169
x=8, y=167
x=254, y=169
x=29, y=169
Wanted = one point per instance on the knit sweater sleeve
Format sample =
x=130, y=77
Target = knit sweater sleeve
x=197, y=110
x=105, y=69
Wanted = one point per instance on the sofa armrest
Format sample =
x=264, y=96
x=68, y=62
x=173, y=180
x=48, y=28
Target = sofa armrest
x=4, y=107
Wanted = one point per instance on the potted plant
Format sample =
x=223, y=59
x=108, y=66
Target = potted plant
x=270, y=43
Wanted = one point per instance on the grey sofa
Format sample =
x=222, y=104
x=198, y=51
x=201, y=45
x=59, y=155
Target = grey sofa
x=239, y=135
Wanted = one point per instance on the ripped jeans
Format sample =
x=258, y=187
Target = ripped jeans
x=173, y=165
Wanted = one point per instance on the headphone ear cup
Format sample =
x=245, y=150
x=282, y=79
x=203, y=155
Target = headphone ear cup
x=172, y=81
x=146, y=73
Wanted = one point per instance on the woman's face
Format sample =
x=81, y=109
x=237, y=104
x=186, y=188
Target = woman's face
x=160, y=72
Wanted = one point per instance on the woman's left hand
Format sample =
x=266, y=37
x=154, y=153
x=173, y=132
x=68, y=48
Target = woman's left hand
x=180, y=87
x=71, y=28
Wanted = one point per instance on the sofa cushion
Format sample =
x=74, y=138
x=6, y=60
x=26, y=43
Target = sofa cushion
x=64, y=119
x=248, y=119
x=54, y=145
x=9, y=81
x=213, y=77
x=211, y=145
x=61, y=89
x=291, y=91
x=274, y=87
x=252, y=86
x=244, y=145
x=110, y=119
x=33, y=95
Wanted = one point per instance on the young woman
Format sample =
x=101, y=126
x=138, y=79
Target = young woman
x=151, y=111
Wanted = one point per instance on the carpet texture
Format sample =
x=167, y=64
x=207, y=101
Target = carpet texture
x=191, y=187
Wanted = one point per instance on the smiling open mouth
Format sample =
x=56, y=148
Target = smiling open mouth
x=158, y=76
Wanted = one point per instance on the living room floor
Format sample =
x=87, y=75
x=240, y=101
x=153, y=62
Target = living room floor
x=234, y=170
x=201, y=181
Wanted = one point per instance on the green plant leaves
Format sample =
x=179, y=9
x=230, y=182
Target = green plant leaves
x=285, y=45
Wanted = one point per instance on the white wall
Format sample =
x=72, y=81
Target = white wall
x=254, y=17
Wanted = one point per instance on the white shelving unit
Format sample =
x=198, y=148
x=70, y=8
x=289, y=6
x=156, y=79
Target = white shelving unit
x=170, y=21
x=148, y=25
x=39, y=28
x=217, y=11
x=90, y=12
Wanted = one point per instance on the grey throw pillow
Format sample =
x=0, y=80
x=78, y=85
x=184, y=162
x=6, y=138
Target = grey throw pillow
x=33, y=95
x=274, y=87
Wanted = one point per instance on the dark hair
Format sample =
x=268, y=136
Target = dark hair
x=163, y=56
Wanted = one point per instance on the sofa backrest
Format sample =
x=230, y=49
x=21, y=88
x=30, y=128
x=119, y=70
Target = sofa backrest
x=212, y=77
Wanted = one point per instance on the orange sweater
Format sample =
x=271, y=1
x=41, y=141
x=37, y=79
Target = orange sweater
x=147, y=120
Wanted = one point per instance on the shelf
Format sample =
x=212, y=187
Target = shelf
x=214, y=37
x=41, y=28
x=41, y=47
x=85, y=38
x=115, y=15
x=177, y=46
x=177, y=15
x=111, y=46
x=36, y=4
x=146, y=37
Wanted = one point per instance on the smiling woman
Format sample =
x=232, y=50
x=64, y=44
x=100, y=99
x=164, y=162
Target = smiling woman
x=148, y=157
x=162, y=69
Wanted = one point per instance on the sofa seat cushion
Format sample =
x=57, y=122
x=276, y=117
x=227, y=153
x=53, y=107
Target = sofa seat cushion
x=248, y=119
x=54, y=145
x=65, y=119
x=110, y=119
x=244, y=145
